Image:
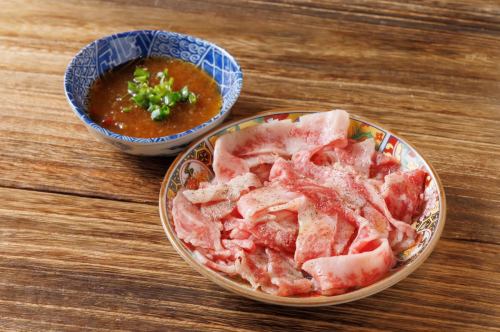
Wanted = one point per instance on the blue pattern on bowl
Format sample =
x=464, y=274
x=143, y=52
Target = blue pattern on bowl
x=109, y=52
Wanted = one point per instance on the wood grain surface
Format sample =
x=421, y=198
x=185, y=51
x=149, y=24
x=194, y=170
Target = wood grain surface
x=81, y=244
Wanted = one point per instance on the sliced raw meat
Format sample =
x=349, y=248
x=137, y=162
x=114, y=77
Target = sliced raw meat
x=279, y=138
x=344, y=235
x=224, y=191
x=262, y=171
x=257, y=201
x=382, y=165
x=351, y=192
x=358, y=155
x=259, y=159
x=366, y=236
x=354, y=270
x=273, y=272
x=239, y=234
x=218, y=266
x=285, y=276
x=316, y=234
x=279, y=233
x=231, y=223
x=233, y=245
x=230, y=149
x=403, y=193
x=217, y=210
x=316, y=130
x=253, y=268
x=192, y=227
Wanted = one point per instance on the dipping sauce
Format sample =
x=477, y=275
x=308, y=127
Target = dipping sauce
x=111, y=107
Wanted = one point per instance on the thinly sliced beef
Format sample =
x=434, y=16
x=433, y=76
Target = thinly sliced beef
x=285, y=276
x=272, y=271
x=235, y=153
x=194, y=228
x=308, y=135
x=262, y=171
x=348, y=271
x=253, y=268
x=219, y=265
x=316, y=234
x=358, y=155
x=403, y=193
x=235, y=245
x=344, y=235
x=230, y=149
x=278, y=233
x=257, y=201
x=224, y=191
x=382, y=165
x=217, y=210
x=350, y=193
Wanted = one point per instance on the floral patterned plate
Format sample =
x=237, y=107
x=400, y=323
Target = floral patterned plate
x=194, y=166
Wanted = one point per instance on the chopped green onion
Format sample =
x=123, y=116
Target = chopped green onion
x=132, y=87
x=157, y=99
x=184, y=93
x=156, y=115
x=126, y=110
x=192, y=98
x=141, y=75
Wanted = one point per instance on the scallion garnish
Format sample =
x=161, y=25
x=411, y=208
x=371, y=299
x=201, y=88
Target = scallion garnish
x=160, y=98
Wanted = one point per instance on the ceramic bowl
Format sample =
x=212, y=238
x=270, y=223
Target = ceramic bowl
x=111, y=51
x=194, y=166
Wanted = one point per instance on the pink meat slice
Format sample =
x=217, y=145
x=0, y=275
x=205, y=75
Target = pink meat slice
x=257, y=201
x=235, y=153
x=325, y=199
x=193, y=227
x=316, y=234
x=217, y=210
x=328, y=202
x=234, y=245
x=343, y=196
x=262, y=171
x=272, y=271
x=316, y=130
x=348, y=271
x=279, y=233
x=252, y=266
x=351, y=193
x=224, y=191
x=344, y=234
x=403, y=193
x=217, y=265
x=283, y=274
x=382, y=165
x=358, y=155
x=230, y=149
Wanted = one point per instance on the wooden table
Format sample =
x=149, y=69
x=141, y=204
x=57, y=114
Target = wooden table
x=81, y=244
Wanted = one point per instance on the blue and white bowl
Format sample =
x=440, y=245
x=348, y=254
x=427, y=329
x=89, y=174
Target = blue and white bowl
x=109, y=52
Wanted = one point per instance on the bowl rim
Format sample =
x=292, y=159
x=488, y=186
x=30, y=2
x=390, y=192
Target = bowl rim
x=315, y=301
x=82, y=113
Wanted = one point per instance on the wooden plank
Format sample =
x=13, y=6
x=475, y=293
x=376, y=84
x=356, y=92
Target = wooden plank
x=102, y=263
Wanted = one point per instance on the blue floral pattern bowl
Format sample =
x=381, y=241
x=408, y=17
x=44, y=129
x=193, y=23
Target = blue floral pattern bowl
x=111, y=51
